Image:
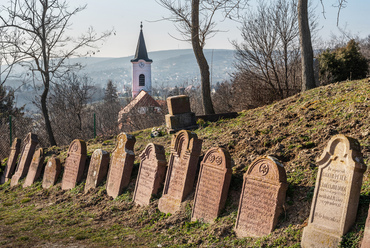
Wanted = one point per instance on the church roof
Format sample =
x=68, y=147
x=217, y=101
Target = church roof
x=141, y=52
x=143, y=99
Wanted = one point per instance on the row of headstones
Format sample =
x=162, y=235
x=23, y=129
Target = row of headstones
x=334, y=204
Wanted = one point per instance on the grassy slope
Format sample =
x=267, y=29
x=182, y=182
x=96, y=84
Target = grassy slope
x=295, y=130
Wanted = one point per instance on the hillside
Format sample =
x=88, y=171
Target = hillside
x=294, y=130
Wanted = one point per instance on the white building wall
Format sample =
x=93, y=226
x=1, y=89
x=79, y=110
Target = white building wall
x=136, y=71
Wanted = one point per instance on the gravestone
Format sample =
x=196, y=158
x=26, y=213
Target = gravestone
x=179, y=114
x=52, y=172
x=12, y=161
x=74, y=165
x=337, y=193
x=151, y=174
x=365, y=243
x=262, y=198
x=181, y=171
x=29, y=147
x=35, y=169
x=98, y=169
x=122, y=161
x=213, y=185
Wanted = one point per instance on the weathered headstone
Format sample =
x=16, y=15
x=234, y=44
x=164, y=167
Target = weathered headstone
x=12, y=161
x=213, y=185
x=122, y=161
x=98, y=169
x=151, y=175
x=365, y=243
x=179, y=114
x=74, y=165
x=51, y=173
x=29, y=147
x=337, y=193
x=35, y=168
x=181, y=172
x=262, y=198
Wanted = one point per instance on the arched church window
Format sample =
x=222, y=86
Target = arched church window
x=142, y=80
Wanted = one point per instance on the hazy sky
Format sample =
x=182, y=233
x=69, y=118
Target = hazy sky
x=125, y=17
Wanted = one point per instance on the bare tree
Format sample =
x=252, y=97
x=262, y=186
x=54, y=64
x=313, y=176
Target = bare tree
x=37, y=36
x=194, y=19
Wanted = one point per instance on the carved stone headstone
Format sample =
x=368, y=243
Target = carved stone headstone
x=35, y=169
x=366, y=239
x=12, y=161
x=98, y=169
x=182, y=166
x=151, y=175
x=121, y=164
x=213, y=184
x=262, y=198
x=29, y=147
x=179, y=114
x=74, y=165
x=52, y=171
x=337, y=193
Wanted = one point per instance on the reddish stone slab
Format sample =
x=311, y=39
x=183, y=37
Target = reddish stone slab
x=151, y=175
x=262, y=198
x=213, y=185
x=52, y=171
x=35, y=169
x=337, y=193
x=178, y=104
x=74, y=165
x=12, y=161
x=365, y=243
x=98, y=169
x=29, y=147
x=122, y=161
x=182, y=166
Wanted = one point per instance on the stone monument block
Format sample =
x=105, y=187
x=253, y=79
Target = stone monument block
x=52, y=172
x=29, y=147
x=181, y=171
x=337, y=193
x=35, y=169
x=121, y=164
x=262, y=198
x=74, y=165
x=98, y=169
x=213, y=185
x=12, y=161
x=365, y=243
x=178, y=104
x=151, y=175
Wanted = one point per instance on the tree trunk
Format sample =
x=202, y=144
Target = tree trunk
x=201, y=59
x=45, y=113
x=308, y=77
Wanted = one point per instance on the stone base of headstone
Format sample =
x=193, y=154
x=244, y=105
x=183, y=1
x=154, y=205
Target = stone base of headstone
x=314, y=236
x=178, y=122
x=167, y=204
x=15, y=179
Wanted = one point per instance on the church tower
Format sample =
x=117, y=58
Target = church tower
x=141, y=68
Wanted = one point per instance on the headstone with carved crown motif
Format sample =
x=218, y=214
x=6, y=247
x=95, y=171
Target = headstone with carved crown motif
x=35, y=169
x=52, y=171
x=12, y=161
x=98, y=169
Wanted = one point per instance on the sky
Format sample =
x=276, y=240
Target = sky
x=125, y=17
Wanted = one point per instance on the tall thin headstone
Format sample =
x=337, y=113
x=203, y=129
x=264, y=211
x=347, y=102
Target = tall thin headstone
x=151, y=175
x=181, y=172
x=262, y=198
x=74, y=165
x=98, y=169
x=337, y=193
x=12, y=161
x=52, y=171
x=122, y=161
x=213, y=185
x=35, y=169
x=29, y=147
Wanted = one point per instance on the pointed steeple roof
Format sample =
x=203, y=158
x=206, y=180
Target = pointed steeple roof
x=141, y=52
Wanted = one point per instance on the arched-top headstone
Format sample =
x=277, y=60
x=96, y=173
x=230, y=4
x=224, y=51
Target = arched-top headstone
x=52, y=171
x=75, y=164
x=337, y=193
x=35, y=169
x=98, y=169
x=121, y=164
x=29, y=147
x=262, y=197
x=151, y=174
x=213, y=184
x=12, y=161
x=182, y=166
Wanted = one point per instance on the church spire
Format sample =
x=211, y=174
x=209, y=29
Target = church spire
x=141, y=52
